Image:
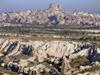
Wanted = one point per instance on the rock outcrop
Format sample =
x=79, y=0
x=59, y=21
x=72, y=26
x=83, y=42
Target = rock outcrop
x=51, y=52
x=20, y=69
x=65, y=65
x=42, y=48
x=54, y=7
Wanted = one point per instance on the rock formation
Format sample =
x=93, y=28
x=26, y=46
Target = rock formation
x=42, y=48
x=54, y=7
x=20, y=69
x=96, y=63
x=48, y=17
x=51, y=52
x=32, y=73
x=7, y=59
x=65, y=65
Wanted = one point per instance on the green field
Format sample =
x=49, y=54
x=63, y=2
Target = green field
x=64, y=31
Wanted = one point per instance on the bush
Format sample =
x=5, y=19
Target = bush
x=5, y=53
x=15, y=58
x=86, y=38
x=89, y=37
x=44, y=72
x=82, y=38
x=48, y=55
x=94, y=38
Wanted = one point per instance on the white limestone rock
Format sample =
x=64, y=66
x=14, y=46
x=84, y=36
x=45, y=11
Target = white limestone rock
x=40, y=59
x=87, y=73
x=1, y=54
x=31, y=59
x=22, y=62
x=84, y=52
x=96, y=63
x=2, y=64
x=5, y=74
x=5, y=42
x=85, y=67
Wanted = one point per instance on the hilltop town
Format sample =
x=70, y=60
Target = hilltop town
x=54, y=15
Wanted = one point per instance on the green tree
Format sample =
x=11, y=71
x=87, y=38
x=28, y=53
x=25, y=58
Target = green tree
x=94, y=38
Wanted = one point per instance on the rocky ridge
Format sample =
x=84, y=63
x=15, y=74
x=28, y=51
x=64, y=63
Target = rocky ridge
x=54, y=53
x=51, y=16
x=42, y=48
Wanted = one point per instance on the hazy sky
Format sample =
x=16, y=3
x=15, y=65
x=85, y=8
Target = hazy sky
x=67, y=5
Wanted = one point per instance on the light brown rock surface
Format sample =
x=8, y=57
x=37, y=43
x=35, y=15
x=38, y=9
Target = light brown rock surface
x=65, y=65
x=7, y=59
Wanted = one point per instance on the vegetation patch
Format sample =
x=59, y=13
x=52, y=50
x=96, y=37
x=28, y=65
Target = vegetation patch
x=48, y=55
x=11, y=72
x=44, y=72
x=92, y=69
x=80, y=60
x=1, y=73
x=60, y=60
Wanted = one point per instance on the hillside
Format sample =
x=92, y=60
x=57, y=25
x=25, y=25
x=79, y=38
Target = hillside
x=48, y=58
x=54, y=15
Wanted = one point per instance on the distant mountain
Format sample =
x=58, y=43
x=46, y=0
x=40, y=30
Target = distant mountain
x=51, y=16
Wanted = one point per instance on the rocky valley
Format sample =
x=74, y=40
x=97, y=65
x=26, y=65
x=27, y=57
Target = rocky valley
x=48, y=57
x=54, y=15
x=49, y=42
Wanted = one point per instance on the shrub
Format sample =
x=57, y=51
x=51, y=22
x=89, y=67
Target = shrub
x=94, y=38
x=44, y=72
x=86, y=38
x=5, y=53
x=82, y=38
x=15, y=58
x=48, y=55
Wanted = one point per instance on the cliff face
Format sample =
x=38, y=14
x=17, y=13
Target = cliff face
x=53, y=15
